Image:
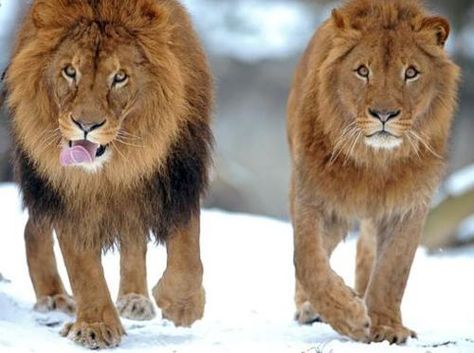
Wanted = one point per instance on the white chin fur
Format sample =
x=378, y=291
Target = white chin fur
x=385, y=142
x=98, y=164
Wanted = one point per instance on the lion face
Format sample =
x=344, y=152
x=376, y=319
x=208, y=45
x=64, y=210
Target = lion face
x=387, y=85
x=102, y=84
x=388, y=75
x=95, y=76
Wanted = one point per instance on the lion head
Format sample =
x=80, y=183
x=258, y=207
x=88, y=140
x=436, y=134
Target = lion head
x=98, y=79
x=387, y=80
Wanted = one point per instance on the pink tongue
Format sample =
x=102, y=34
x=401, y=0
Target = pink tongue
x=82, y=151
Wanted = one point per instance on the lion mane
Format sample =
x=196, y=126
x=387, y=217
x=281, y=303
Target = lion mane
x=161, y=181
x=369, y=117
x=110, y=104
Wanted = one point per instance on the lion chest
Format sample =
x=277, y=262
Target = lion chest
x=107, y=214
x=367, y=193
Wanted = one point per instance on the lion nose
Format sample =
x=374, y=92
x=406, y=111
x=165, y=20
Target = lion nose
x=87, y=126
x=384, y=115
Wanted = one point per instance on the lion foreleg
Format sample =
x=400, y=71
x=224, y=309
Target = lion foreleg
x=48, y=286
x=397, y=241
x=332, y=235
x=337, y=304
x=133, y=299
x=97, y=323
x=366, y=250
x=180, y=293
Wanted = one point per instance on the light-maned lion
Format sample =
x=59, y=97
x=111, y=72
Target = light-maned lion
x=110, y=105
x=369, y=117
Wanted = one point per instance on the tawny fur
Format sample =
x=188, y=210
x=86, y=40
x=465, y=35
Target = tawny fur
x=158, y=136
x=339, y=174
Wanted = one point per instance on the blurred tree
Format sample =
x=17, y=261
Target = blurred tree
x=444, y=220
x=458, y=10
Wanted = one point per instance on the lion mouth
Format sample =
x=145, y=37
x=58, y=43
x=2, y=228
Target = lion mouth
x=383, y=140
x=382, y=133
x=81, y=152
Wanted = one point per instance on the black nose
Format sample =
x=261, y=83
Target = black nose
x=88, y=126
x=384, y=115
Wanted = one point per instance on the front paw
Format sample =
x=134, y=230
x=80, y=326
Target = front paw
x=97, y=335
x=305, y=314
x=182, y=310
x=60, y=302
x=340, y=307
x=385, y=328
x=350, y=319
x=135, y=307
x=396, y=334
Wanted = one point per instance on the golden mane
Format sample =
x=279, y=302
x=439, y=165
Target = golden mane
x=369, y=118
x=168, y=119
x=126, y=85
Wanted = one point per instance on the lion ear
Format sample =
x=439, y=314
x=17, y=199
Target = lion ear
x=151, y=11
x=439, y=27
x=50, y=14
x=45, y=13
x=146, y=13
x=338, y=19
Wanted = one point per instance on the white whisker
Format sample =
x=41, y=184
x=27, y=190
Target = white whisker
x=413, y=144
x=343, y=141
x=118, y=151
x=425, y=144
x=120, y=140
x=356, y=139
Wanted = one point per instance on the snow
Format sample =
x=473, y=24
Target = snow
x=249, y=281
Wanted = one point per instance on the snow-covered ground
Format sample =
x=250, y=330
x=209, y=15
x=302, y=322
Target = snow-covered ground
x=249, y=283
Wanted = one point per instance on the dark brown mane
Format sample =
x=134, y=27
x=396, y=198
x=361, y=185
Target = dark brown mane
x=170, y=196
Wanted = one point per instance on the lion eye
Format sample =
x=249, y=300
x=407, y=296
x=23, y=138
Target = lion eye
x=363, y=71
x=70, y=72
x=411, y=73
x=120, y=78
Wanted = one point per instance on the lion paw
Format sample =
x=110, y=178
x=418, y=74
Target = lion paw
x=396, y=334
x=305, y=314
x=181, y=311
x=341, y=308
x=60, y=302
x=97, y=335
x=350, y=319
x=136, y=307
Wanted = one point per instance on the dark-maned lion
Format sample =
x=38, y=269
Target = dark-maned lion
x=110, y=105
x=369, y=117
